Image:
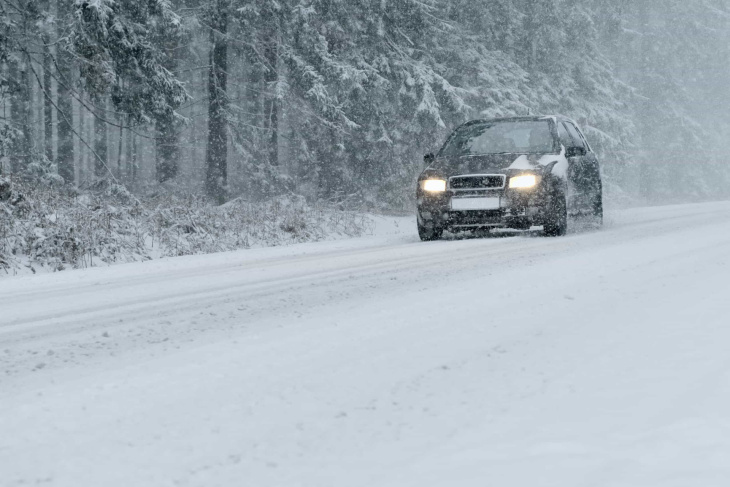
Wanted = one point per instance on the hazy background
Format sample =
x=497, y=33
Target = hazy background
x=339, y=99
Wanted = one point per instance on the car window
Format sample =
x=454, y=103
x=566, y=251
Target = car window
x=582, y=137
x=529, y=136
x=577, y=139
x=563, y=136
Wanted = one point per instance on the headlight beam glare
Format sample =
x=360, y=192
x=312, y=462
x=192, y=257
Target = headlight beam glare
x=434, y=185
x=526, y=181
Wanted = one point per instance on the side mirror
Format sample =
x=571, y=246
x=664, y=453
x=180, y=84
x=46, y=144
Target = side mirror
x=575, y=151
x=429, y=158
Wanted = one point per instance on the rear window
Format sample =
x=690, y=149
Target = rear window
x=533, y=136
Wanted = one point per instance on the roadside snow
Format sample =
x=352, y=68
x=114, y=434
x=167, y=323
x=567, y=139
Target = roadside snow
x=48, y=231
x=597, y=359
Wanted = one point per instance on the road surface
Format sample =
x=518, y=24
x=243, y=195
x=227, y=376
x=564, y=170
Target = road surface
x=601, y=359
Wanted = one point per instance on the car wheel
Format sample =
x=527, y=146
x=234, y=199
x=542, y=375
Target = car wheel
x=429, y=233
x=556, y=224
x=598, y=210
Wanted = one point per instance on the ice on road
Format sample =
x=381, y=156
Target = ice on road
x=599, y=359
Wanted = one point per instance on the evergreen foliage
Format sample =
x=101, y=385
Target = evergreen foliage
x=339, y=99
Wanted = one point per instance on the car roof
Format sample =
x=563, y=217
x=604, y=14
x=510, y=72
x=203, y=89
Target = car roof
x=529, y=118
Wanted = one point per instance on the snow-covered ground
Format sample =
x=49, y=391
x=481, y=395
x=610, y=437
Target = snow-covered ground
x=597, y=359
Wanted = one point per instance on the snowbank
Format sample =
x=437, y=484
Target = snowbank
x=52, y=230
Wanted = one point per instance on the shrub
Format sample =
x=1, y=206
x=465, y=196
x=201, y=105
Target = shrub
x=48, y=229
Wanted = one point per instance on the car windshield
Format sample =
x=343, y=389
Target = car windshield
x=530, y=136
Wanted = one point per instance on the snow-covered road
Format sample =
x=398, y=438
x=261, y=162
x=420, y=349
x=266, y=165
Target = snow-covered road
x=600, y=359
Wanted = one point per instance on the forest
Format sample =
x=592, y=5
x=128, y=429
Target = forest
x=337, y=100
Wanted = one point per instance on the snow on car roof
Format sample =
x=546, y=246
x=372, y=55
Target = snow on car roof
x=524, y=118
x=520, y=118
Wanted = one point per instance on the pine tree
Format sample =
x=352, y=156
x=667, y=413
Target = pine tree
x=121, y=60
x=216, y=178
x=271, y=41
x=65, y=80
x=339, y=100
x=101, y=148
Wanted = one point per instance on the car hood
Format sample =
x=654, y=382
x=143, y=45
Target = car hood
x=493, y=163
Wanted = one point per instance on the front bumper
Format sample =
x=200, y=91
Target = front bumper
x=517, y=209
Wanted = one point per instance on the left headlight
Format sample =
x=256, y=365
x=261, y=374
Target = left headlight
x=526, y=181
x=434, y=185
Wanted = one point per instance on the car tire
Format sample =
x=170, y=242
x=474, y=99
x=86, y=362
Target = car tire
x=428, y=234
x=556, y=223
x=598, y=210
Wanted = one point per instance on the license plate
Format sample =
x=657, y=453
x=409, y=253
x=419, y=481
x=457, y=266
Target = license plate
x=465, y=204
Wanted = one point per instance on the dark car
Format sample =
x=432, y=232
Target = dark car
x=511, y=173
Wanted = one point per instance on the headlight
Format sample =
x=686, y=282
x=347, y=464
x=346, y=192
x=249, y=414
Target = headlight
x=433, y=185
x=527, y=181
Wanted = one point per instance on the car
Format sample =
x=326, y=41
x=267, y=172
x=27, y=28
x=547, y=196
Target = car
x=514, y=173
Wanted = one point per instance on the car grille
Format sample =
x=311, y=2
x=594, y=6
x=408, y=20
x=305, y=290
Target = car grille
x=478, y=181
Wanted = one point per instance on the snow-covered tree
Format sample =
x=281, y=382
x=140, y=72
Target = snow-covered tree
x=340, y=99
x=116, y=41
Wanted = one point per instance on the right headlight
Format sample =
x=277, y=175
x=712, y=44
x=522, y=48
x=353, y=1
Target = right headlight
x=525, y=181
x=433, y=185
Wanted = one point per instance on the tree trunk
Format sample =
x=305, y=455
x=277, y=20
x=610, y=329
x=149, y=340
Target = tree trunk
x=134, y=161
x=120, y=175
x=83, y=150
x=217, y=155
x=271, y=102
x=166, y=126
x=65, y=63
x=128, y=156
x=20, y=113
x=166, y=145
x=47, y=101
x=27, y=109
x=101, y=147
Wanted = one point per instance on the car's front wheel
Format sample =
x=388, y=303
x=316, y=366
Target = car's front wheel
x=556, y=222
x=429, y=233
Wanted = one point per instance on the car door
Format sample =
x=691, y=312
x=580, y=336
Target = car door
x=573, y=191
x=590, y=173
x=580, y=176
